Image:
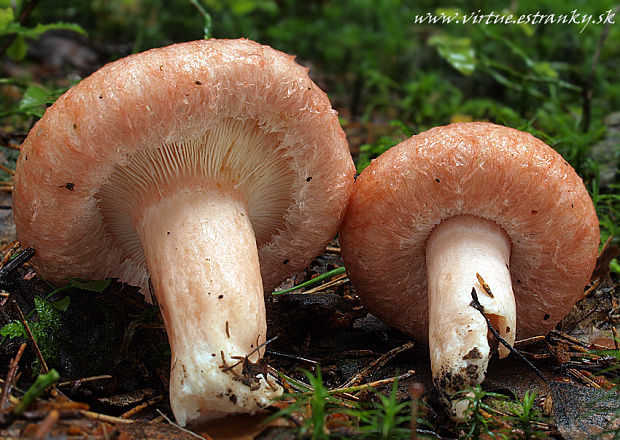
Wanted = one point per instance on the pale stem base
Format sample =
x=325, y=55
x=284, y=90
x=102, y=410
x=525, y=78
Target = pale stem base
x=457, y=250
x=201, y=255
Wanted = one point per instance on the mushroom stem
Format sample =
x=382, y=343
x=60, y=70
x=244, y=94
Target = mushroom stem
x=457, y=250
x=201, y=254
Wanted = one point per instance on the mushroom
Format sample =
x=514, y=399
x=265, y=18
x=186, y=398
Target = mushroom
x=461, y=207
x=205, y=172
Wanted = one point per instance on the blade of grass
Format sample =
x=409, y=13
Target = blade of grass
x=314, y=280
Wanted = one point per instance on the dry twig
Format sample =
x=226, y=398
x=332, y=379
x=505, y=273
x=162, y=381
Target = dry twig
x=104, y=418
x=10, y=377
x=47, y=424
x=142, y=406
x=7, y=170
x=22, y=319
x=378, y=363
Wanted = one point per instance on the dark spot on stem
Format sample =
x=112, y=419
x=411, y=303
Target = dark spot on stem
x=168, y=233
x=68, y=186
x=472, y=371
x=220, y=297
x=547, y=316
x=100, y=96
x=285, y=261
x=198, y=83
x=437, y=180
x=74, y=126
x=308, y=179
x=474, y=353
x=233, y=398
x=533, y=212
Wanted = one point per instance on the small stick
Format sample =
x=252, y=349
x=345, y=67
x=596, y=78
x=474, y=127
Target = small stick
x=592, y=288
x=16, y=262
x=579, y=375
x=576, y=341
x=10, y=377
x=258, y=347
x=536, y=355
x=529, y=341
x=22, y=319
x=46, y=425
x=13, y=244
x=7, y=169
x=584, y=354
x=10, y=250
x=180, y=427
x=614, y=333
x=358, y=388
x=140, y=407
x=378, y=363
x=286, y=380
x=336, y=281
x=476, y=305
x=105, y=418
x=86, y=379
x=314, y=280
x=333, y=249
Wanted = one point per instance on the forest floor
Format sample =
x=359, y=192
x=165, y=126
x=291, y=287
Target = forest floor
x=111, y=351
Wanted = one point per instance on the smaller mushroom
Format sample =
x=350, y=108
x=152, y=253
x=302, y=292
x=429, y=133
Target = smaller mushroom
x=461, y=207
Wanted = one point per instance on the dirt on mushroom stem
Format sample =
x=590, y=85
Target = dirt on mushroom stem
x=458, y=250
x=213, y=305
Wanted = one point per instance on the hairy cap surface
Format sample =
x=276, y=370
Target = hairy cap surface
x=478, y=169
x=228, y=109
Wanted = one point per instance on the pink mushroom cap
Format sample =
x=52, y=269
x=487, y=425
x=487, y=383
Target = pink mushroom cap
x=170, y=96
x=477, y=169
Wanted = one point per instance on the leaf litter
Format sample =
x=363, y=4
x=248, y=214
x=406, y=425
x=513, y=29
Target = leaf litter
x=327, y=327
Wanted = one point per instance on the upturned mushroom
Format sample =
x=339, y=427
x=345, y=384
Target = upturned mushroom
x=205, y=172
x=458, y=207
